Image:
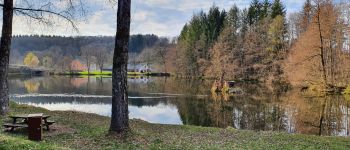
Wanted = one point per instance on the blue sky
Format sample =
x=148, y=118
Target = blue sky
x=160, y=17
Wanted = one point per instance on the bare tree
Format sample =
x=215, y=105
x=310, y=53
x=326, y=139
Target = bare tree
x=293, y=28
x=323, y=62
x=29, y=10
x=87, y=53
x=133, y=61
x=64, y=64
x=161, y=51
x=146, y=56
x=101, y=56
x=120, y=113
x=320, y=54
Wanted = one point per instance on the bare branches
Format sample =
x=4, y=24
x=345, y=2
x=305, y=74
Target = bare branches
x=307, y=59
x=44, y=12
x=39, y=15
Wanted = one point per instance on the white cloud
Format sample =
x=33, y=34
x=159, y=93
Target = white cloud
x=161, y=17
x=142, y=15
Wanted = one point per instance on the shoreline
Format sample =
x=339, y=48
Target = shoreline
x=76, y=130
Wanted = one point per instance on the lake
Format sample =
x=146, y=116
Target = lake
x=190, y=102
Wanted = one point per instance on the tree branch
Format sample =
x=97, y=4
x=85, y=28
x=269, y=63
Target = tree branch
x=40, y=17
x=307, y=59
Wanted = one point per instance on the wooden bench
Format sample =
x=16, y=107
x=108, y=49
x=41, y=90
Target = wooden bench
x=48, y=123
x=14, y=126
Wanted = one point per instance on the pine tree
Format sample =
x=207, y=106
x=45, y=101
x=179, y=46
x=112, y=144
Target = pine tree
x=277, y=9
x=266, y=8
x=232, y=18
x=197, y=38
x=254, y=12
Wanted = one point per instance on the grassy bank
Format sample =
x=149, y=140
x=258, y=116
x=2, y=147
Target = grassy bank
x=109, y=73
x=88, y=131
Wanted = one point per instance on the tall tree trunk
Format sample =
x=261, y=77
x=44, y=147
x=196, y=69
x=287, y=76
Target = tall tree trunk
x=6, y=36
x=120, y=114
x=322, y=52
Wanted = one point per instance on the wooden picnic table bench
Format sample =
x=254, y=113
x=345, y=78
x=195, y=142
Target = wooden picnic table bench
x=24, y=123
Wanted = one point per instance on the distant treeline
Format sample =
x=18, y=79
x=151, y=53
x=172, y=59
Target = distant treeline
x=72, y=45
x=67, y=54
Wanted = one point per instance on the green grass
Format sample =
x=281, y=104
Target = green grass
x=8, y=142
x=76, y=130
x=95, y=73
x=108, y=73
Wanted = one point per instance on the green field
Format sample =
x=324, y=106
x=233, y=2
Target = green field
x=109, y=73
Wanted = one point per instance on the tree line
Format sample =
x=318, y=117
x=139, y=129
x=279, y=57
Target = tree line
x=58, y=52
x=264, y=43
x=239, y=44
x=72, y=45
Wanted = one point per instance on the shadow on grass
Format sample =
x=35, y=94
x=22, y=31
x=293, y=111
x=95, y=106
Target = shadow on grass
x=18, y=131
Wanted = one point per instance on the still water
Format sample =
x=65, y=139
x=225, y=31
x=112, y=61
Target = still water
x=179, y=101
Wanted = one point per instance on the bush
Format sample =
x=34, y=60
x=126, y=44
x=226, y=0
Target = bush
x=347, y=90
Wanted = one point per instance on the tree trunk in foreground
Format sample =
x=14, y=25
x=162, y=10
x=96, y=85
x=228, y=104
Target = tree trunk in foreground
x=6, y=35
x=120, y=113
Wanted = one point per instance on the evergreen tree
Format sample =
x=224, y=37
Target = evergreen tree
x=254, y=12
x=198, y=37
x=244, y=22
x=266, y=8
x=232, y=18
x=277, y=9
x=214, y=24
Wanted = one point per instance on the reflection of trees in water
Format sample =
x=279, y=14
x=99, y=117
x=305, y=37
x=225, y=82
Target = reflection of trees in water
x=61, y=84
x=318, y=115
x=32, y=86
x=171, y=86
x=78, y=82
x=259, y=108
x=334, y=116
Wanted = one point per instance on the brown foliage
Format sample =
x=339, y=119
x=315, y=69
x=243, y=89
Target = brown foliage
x=318, y=57
x=76, y=65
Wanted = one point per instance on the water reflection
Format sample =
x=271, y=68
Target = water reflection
x=174, y=101
x=31, y=86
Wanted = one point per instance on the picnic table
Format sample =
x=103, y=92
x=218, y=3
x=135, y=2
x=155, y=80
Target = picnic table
x=23, y=121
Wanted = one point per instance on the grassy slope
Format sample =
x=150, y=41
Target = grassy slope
x=88, y=131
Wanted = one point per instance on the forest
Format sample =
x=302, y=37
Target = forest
x=264, y=43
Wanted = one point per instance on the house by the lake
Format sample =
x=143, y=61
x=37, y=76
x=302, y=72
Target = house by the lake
x=139, y=68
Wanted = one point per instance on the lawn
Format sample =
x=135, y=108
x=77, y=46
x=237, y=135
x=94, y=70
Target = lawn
x=95, y=73
x=76, y=130
x=109, y=73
